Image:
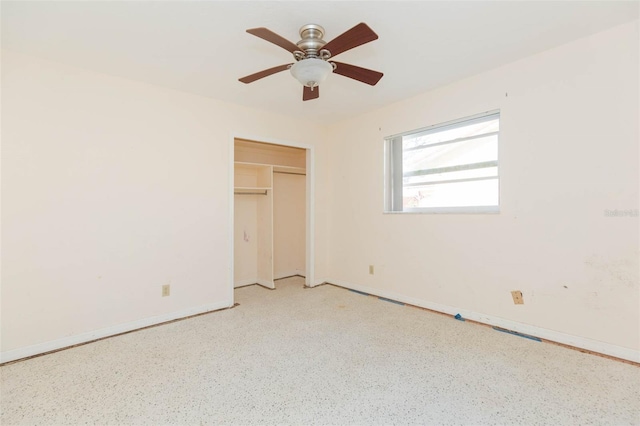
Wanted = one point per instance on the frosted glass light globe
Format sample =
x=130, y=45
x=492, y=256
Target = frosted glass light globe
x=311, y=72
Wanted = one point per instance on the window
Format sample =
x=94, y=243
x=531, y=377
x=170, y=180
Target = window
x=446, y=168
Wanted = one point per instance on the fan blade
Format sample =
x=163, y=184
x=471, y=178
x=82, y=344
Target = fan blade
x=356, y=36
x=364, y=75
x=308, y=94
x=264, y=73
x=274, y=38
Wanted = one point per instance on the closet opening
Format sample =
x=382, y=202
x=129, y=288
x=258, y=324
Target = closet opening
x=271, y=213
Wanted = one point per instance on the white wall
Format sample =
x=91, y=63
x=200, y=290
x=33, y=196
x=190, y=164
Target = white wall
x=568, y=151
x=112, y=188
x=288, y=225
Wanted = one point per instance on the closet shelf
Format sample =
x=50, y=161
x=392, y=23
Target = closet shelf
x=290, y=170
x=276, y=167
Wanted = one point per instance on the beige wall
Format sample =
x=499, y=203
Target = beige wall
x=288, y=225
x=112, y=188
x=568, y=151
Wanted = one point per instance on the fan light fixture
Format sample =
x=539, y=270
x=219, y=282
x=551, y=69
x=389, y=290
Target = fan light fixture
x=311, y=71
x=312, y=54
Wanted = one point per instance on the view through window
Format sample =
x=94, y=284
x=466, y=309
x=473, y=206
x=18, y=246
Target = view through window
x=449, y=167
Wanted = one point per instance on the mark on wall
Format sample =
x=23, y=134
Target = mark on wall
x=613, y=272
x=246, y=237
x=612, y=282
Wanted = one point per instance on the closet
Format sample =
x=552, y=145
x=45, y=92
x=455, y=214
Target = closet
x=269, y=212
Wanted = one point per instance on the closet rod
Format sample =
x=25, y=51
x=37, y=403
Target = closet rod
x=251, y=193
x=290, y=173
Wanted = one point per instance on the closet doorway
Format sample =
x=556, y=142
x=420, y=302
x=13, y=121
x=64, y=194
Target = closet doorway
x=271, y=213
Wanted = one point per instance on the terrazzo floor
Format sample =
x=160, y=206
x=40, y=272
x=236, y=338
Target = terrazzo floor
x=319, y=356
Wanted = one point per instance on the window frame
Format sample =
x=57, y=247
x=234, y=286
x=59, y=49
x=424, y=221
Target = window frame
x=393, y=175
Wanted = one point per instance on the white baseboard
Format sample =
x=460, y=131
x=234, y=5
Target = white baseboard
x=53, y=345
x=242, y=283
x=252, y=281
x=319, y=281
x=555, y=336
x=288, y=274
x=543, y=333
x=266, y=283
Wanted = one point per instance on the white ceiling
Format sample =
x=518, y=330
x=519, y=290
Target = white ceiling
x=202, y=47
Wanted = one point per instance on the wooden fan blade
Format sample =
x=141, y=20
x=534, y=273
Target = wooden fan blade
x=364, y=75
x=274, y=38
x=356, y=36
x=264, y=73
x=308, y=94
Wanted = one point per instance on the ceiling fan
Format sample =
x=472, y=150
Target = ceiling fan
x=312, y=55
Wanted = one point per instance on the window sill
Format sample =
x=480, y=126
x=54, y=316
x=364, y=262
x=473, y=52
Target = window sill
x=450, y=210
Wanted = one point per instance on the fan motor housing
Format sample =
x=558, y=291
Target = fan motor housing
x=312, y=41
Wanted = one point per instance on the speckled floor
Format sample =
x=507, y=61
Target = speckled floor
x=319, y=356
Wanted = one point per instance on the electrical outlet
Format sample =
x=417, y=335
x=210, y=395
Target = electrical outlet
x=370, y=269
x=517, y=297
x=166, y=290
